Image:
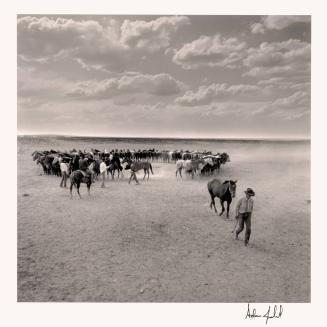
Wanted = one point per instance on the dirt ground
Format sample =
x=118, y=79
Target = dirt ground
x=159, y=241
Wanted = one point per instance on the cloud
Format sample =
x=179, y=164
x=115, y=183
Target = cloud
x=277, y=22
x=41, y=86
x=291, y=107
x=284, y=83
x=210, y=51
x=153, y=35
x=106, y=43
x=257, y=28
x=158, y=85
x=245, y=109
x=40, y=37
x=290, y=57
x=216, y=92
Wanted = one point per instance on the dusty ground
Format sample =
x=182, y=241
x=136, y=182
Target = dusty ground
x=160, y=242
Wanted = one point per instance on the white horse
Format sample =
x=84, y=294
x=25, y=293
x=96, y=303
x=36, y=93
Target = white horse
x=191, y=166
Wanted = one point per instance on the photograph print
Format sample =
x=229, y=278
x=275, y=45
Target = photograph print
x=163, y=158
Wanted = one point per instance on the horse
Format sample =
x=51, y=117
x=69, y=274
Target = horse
x=76, y=178
x=225, y=192
x=114, y=164
x=191, y=166
x=136, y=166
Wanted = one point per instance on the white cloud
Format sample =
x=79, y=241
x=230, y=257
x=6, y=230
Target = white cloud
x=257, y=28
x=40, y=37
x=210, y=51
x=153, y=35
x=291, y=107
x=159, y=85
x=277, y=22
x=216, y=92
x=94, y=43
x=290, y=57
x=280, y=22
x=285, y=83
x=245, y=109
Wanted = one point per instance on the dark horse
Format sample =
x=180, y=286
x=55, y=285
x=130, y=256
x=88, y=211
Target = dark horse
x=76, y=178
x=114, y=164
x=225, y=192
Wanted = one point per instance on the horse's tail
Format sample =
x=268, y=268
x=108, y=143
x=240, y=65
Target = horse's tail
x=151, y=168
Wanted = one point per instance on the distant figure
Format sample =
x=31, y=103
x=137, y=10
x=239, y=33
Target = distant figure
x=64, y=173
x=103, y=169
x=243, y=212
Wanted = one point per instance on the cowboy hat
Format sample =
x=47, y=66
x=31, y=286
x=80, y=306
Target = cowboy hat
x=249, y=191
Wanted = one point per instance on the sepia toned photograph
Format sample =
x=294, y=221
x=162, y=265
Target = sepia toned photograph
x=163, y=158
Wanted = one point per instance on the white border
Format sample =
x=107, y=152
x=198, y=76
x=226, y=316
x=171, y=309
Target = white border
x=51, y=314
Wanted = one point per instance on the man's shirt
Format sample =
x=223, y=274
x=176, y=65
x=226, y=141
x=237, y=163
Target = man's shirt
x=103, y=167
x=244, y=205
x=63, y=167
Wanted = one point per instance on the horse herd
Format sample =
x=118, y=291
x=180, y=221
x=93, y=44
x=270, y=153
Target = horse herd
x=192, y=163
x=205, y=163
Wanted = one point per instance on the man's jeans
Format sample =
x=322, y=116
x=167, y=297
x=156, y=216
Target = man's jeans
x=63, y=179
x=244, y=218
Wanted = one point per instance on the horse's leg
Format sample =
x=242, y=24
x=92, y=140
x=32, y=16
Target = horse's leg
x=144, y=173
x=180, y=172
x=135, y=178
x=213, y=202
x=71, y=189
x=77, y=186
x=132, y=175
x=148, y=173
x=88, y=188
x=228, y=204
x=222, y=207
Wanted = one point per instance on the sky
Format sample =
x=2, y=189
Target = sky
x=164, y=76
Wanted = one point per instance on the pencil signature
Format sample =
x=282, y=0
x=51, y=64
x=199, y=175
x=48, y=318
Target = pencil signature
x=275, y=312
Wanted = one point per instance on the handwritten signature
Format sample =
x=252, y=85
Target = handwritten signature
x=276, y=312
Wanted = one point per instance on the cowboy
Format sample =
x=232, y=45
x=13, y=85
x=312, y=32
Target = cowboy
x=243, y=211
x=83, y=165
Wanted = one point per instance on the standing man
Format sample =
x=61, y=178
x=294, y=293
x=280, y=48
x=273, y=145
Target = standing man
x=103, y=169
x=243, y=212
x=64, y=173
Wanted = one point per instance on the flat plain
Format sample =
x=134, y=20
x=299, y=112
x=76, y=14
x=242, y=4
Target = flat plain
x=159, y=241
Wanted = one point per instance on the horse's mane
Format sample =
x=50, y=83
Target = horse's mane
x=226, y=182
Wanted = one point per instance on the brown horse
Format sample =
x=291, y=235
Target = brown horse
x=136, y=166
x=225, y=192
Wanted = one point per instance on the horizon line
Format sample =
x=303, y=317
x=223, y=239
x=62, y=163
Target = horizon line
x=179, y=137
